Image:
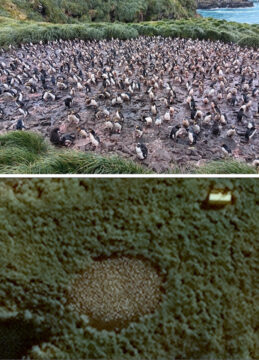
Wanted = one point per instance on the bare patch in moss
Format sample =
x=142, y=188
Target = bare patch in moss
x=115, y=291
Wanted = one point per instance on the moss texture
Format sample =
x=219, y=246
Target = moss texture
x=51, y=229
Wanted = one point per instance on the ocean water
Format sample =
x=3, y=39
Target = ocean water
x=241, y=15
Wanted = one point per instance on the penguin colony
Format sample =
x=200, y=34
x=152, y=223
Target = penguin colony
x=142, y=98
x=115, y=291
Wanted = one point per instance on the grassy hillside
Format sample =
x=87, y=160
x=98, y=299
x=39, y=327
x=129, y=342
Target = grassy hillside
x=53, y=229
x=67, y=11
x=28, y=153
x=18, y=31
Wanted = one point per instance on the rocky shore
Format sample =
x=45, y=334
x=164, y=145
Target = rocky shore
x=212, y=4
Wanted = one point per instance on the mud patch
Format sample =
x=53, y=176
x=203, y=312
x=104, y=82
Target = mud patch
x=169, y=69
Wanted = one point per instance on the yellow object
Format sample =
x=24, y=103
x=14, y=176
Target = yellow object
x=220, y=198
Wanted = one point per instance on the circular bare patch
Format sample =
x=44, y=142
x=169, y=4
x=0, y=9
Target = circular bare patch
x=115, y=291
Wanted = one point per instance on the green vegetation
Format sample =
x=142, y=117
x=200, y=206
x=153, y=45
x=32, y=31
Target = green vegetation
x=71, y=11
x=53, y=229
x=17, y=32
x=28, y=153
x=226, y=167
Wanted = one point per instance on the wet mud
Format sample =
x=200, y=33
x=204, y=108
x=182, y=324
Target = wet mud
x=150, y=71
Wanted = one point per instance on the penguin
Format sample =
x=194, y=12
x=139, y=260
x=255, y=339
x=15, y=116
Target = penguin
x=138, y=131
x=215, y=129
x=167, y=116
x=1, y=113
x=108, y=125
x=207, y=118
x=82, y=132
x=88, y=88
x=23, y=111
x=20, y=125
x=255, y=92
x=231, y=132
x=141, y=151
x=53, y=80
x=94, y=138
x=117, y=126
x=55, y=137
x=148, y=120
x=174, y=131
x=226, y=150
x=223, y=119
x=193, y=113
x=73, y=118
x=192, y=137
x=240, y=115
x=196, y=129
x=158, y=121
x=67, y=139
x=153, y=109
x=233, y=100
x=68, y=102
x=250, y=132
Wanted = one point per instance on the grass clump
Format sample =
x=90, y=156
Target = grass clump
x=249, y=41
x=32, y=142
x=28, y=153
x=17, y=32
x=74, y=11
x=226, y=167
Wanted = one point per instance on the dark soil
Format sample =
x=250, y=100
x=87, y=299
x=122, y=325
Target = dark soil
x=150, y=62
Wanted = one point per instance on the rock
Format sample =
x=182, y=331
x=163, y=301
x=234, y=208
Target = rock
x=212, y=4
x=160, y=167
x=108, y=146
x=194, y=158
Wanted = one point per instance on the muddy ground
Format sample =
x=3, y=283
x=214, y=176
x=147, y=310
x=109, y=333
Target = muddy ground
x=163, y=152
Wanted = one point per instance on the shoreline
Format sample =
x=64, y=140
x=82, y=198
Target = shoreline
x=226, y=4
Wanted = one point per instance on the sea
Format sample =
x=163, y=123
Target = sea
x=242, y=15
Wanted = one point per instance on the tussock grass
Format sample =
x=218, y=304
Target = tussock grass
x=14, y=32
x=72, y=11
x=30, y=141
x=226, y=167
x=28, y=153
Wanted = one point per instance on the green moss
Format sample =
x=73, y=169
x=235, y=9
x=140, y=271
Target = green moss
x=51, y=229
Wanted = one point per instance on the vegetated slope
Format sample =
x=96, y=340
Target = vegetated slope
x=51, y=229
x=28, y=153
x=14, y=32
x=95, y=10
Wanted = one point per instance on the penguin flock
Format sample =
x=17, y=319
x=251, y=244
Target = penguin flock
x=138, y=96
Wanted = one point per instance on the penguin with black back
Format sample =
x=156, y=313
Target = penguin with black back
x=141, y=151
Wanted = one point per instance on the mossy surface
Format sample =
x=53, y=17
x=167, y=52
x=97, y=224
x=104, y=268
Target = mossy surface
x=52, y=229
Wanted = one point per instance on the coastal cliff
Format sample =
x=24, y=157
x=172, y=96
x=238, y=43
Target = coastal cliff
x=212, y=4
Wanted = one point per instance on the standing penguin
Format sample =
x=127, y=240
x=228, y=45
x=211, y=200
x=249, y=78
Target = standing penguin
x=95, y=140
x=55, y=137
x=141, y=151
x=20, y=125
